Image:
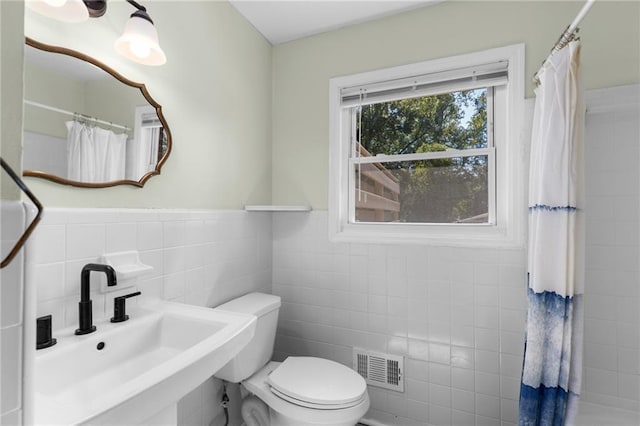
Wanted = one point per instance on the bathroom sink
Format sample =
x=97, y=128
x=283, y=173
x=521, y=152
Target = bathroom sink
x=129, y=371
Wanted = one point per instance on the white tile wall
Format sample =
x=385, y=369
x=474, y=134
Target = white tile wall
x=199, y=257
x=612, y=287
x=453, y=313
x=12, y=215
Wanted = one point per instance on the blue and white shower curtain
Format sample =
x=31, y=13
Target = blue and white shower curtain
x=552, y=366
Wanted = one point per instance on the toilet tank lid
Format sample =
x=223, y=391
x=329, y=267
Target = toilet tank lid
x=256, y=304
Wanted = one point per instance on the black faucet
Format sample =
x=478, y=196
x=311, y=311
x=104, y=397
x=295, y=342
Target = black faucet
x=85, y=309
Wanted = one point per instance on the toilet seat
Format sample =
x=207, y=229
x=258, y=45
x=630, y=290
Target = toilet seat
x=297, y=414
x=317, y=383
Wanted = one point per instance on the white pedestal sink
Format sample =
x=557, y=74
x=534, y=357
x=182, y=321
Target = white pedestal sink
x=135, y=371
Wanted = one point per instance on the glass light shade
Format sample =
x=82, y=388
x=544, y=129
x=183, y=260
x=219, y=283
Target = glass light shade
x=139, y=42
x=60, y=10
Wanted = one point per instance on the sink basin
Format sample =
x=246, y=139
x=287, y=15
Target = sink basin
x=127, y=372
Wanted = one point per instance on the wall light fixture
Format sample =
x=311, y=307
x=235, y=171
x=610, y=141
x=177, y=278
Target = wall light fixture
x=139, y=41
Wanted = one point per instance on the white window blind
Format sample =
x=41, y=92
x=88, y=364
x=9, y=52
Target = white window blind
x=151, y=119
x=486, y=75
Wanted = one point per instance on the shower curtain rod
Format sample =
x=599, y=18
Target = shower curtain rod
x=568, y=35
x=77, y=114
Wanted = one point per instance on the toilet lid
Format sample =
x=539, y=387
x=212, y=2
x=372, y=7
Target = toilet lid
x=317, y=381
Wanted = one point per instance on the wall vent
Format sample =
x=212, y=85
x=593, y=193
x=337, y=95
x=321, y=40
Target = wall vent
x=378, y=369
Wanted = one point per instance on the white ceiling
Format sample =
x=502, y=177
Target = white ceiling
x=281, y=21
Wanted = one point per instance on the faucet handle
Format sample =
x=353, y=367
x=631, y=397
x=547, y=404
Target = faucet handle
x=43, y=332
x=119, y=307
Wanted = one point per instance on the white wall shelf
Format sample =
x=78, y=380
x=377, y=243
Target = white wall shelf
x=275, y=208
x=128, y=268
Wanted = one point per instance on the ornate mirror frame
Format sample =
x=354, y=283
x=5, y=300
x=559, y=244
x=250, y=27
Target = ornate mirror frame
x=140, y=86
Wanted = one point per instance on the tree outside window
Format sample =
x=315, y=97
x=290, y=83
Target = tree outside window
x=451, y=188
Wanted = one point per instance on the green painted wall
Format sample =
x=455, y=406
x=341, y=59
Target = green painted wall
x=302, y=69
x=11, y=94
x=250, y=121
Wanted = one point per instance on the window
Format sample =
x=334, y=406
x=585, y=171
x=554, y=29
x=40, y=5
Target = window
x=149, y=143
x=430, y=152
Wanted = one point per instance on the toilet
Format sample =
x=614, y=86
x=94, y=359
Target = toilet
x=300, y=391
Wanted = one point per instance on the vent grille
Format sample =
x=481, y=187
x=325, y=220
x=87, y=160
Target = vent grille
x=361, y=365
x=382, y=370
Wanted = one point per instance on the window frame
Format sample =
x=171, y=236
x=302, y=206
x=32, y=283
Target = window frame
x=510, y=215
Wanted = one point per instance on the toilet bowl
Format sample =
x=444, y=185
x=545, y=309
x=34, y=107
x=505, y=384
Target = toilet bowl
x=300, y=391
x=293, y=400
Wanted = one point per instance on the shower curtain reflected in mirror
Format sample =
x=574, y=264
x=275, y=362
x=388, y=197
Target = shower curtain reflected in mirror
x=144, y=153
x=552, y=368
x=94, y=154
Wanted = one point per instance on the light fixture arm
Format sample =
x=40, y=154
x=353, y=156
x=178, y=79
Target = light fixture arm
x=96, y=8
x=137, y=5
x=141, y=12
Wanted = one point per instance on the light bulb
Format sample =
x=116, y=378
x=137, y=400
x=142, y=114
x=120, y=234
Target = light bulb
x=139, y=42
x=61, y=10
x=55, y=3
x=140, y=48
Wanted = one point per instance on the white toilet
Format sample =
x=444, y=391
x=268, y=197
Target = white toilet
x=301, y=391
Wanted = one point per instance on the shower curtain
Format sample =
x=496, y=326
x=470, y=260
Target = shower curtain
x=94, y=154
x=552, y=367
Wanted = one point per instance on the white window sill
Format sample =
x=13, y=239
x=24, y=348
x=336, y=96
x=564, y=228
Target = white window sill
x=460, y=235
x=273, y=208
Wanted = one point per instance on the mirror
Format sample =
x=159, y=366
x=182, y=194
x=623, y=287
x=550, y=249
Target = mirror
x=85, y=124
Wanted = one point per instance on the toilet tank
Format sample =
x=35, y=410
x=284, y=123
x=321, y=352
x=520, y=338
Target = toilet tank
x=259, y=350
